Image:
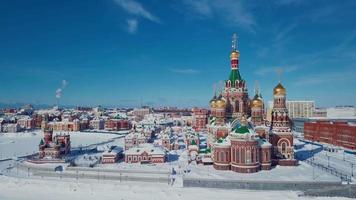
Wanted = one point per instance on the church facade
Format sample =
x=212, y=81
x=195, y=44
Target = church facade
x=241, y=138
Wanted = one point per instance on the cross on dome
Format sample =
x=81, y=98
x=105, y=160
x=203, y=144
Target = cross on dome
x=234, y=42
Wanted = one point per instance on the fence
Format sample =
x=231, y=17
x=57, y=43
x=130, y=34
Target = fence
x=330, y=170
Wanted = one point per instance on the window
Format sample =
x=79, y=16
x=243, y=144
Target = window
x=284, y=147
x=248, y=156
x=237, y=155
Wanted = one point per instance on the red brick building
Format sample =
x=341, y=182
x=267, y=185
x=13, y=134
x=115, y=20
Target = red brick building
x=53, y=147
x=145, y=154
x=200, y=118
x=340, y=134
x=117, y=124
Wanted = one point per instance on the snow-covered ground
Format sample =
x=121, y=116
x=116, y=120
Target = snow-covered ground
x=34, y=189
x=340, y=161
x=302, y=172
x=26, y=143
x=20, y=144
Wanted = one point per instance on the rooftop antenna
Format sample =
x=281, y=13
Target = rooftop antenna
x=234, y=42
x=279, y=73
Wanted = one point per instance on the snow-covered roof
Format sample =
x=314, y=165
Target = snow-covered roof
x=148, y=148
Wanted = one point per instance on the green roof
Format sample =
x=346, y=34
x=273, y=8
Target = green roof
x=234, y=75
x=242, y=130
x=193, y=142
x=220, y=140
x=41, y=142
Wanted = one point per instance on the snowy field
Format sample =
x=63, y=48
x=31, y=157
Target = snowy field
x=303, y=172
x=20, y=144
x=26, y=143
x=339, y=161
x=30, y=189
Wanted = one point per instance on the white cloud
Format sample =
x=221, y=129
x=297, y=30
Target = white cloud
x=185, y=71
x=135, y=8
x=132, y=25
x=324, y=78
x=231, y=12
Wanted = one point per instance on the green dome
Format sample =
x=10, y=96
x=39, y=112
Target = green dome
x=242, y=130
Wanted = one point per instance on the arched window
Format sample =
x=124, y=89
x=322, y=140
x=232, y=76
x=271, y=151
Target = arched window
x=233, y=155
x=248, y=156
x=222, y=156
x=237, y=155
x=266, y=156
x=237, y=106
x=284, y=147
x=228, y=83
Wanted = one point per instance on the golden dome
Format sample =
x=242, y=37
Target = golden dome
x=279, y=90
x=234, y=54
x=220, y=103
x=256, y=102
x=213, y=102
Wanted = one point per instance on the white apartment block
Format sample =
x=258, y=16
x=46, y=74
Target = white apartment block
x=297, y=109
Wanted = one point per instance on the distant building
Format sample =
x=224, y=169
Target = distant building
x=53, y=147
x=341, y=112
x=97, y=124
x=11, y=128
x=26, y=123
x=64, y=125
x=145, y=154
x=320, y=112
x=112, y=155
x=341, y=134
x=297, y=109
x=200, y=118
x=134, y=140
x=298, y=123
x=117, y=124
x=140, y=113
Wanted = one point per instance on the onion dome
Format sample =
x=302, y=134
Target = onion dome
x=220, y=103
x=213, y=102
x=242, y=130
x=234, y=55
x=256, y=102
x=279, y=90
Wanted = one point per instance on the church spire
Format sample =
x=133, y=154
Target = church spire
x=234, y=60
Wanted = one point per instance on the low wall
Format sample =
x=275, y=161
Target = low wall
x=38, y=170
x=257, y=185
x=309, y=188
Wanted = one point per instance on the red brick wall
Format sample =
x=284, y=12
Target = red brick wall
x=338, y=134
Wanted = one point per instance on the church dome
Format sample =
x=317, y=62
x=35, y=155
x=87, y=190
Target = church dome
x=279, y=90
x=220, y=103
x=234, y=55
x=256, y=102
x=213, y=102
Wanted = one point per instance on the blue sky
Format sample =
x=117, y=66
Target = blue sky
x=124, y=52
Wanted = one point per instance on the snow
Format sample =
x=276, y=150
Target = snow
x=19, y=144
x=34, y=189
x=303, y=172
x=26, y=143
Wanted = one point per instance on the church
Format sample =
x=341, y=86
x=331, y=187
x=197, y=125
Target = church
x=241, y=138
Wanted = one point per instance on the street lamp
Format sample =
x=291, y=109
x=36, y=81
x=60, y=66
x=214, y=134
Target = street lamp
x=328, y=161
x=352, y=169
